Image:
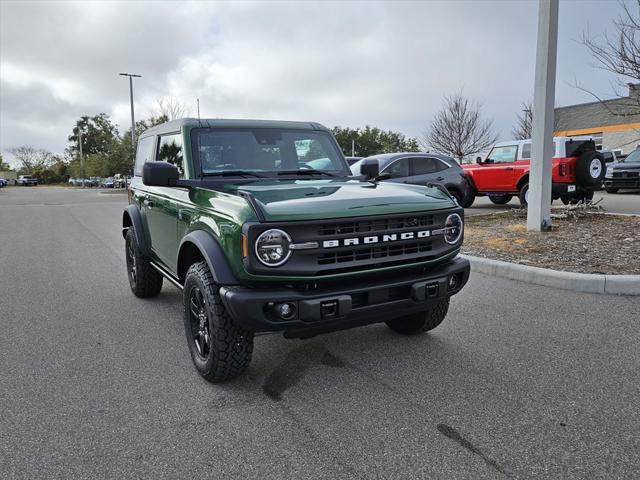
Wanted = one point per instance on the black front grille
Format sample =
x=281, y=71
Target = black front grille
x=375, y=225
x=357, y=244
x=373, y=253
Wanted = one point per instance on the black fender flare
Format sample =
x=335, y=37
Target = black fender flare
x=212, y=253
x=131, y=218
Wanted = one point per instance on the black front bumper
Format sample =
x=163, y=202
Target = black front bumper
x=344, y=305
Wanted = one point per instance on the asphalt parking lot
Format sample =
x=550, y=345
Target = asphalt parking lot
x=626, y=201
x=520, y=381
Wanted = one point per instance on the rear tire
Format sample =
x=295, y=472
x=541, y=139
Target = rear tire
x=523, y=196
x=144, y=280
x=501, y=199
x=421, y=322
x=465, y=201
x=220, y=349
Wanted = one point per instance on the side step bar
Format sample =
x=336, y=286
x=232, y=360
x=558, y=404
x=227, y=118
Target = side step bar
x=174, y=281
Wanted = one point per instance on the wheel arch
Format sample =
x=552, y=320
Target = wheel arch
x=524, y=179
x=202, y=246
x=131, y=218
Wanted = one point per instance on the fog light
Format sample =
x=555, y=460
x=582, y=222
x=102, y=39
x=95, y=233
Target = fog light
x=453, y=282
x=286, y=311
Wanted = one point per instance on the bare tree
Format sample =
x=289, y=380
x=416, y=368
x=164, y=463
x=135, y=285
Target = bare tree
x=524, y=120
x=171, y=108
x=524, y=123
x=458, y=129
x=619, y=54
x=31, y=159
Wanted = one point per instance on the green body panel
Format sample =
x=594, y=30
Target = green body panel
x=170, y=213
x=292, y=200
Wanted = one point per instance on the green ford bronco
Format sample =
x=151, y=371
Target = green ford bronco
x=263, y=228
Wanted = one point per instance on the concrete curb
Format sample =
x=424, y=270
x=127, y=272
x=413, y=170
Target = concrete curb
x=577, y=282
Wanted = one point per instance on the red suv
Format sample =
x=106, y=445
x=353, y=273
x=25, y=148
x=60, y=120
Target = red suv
x=578, y=169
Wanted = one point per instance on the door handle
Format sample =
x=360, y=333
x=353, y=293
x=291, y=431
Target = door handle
x=508, y=168
x=439, y=178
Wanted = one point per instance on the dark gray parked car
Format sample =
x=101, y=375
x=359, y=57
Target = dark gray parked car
x=422, y=168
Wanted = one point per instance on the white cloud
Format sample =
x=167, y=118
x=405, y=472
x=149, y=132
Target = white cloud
x=349, y=63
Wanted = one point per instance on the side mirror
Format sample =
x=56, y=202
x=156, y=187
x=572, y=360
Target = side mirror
x=370, y=168
x=159, y=174
x=478, y=160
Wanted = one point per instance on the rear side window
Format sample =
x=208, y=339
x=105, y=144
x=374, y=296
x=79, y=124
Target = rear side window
x=144, y=153
x=424, y=166
x=170, y=150
x=526, y=151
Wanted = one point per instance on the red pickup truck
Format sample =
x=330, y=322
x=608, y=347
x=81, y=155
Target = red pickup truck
x=578, y=169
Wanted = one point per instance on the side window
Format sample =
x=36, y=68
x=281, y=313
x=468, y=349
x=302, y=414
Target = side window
x=170, y=150
x=423, y=166
x=399, y=168
x=526, y=151
x=505, y=154
x=144, y=153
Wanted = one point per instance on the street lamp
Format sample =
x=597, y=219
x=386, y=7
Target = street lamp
x=133, y=120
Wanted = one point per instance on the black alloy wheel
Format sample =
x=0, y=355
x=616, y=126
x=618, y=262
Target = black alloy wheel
x=199, y=323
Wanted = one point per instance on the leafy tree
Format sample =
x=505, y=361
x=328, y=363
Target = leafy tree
x=98, y=135
x=373, y=140
x=458, y=129
x=4, y=167
x=31, y=159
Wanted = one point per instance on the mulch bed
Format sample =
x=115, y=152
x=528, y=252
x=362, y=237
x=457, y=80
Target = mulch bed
x=582, y=241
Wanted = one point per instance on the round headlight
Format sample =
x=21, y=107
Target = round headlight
x=453, y=229
x=272, y=247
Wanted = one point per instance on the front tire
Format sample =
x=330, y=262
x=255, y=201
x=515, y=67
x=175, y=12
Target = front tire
x=144, y=280
x=220, y=349
x=421, y=322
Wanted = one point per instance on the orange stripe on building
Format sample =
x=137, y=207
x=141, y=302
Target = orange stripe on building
x=602, y=129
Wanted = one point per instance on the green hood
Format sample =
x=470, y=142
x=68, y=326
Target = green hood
x=324, y=199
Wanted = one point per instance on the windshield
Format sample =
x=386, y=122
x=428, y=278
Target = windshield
x=266, y=151
x=634, y=157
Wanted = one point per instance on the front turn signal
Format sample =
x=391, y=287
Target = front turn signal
x=244, y=246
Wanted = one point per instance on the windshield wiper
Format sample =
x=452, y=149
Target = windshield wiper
x=306, y=171
x=232, y=173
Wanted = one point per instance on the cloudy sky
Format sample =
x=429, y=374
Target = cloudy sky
x=344, y=63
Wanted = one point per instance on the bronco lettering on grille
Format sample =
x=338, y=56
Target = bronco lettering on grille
x=372, y=239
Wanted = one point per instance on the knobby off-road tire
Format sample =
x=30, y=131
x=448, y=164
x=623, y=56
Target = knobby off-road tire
x=144, y=280
x=421, y=322
x=590, y=169
x=500, y=199
x=220, y=349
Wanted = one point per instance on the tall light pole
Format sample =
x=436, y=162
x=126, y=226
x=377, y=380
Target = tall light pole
x=133, y=120
x=539, y=208
x=81, y=156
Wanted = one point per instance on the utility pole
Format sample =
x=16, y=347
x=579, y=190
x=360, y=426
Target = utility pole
x=542, y=148
x=133, y=120
x=81, y=156
x=353, y=148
